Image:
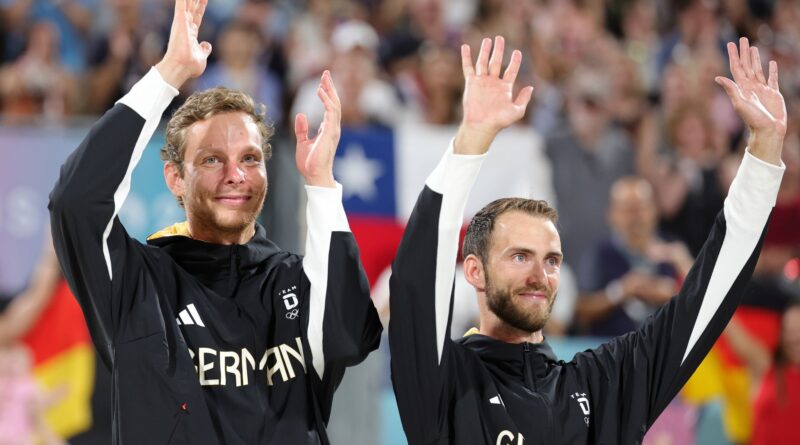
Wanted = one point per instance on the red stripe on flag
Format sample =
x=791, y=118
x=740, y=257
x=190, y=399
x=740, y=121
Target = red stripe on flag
x=60, y=327
x=377, y=240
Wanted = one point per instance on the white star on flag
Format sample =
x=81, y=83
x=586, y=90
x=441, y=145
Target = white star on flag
x=357, y=173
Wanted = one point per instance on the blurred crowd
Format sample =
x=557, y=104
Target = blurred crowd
x=642, y=143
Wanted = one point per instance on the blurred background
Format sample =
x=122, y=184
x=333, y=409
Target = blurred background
x=627, y=134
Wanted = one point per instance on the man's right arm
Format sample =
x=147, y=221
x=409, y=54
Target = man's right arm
x=423, y=271
x=91, y=244
x=421, y=288
x=95, y=180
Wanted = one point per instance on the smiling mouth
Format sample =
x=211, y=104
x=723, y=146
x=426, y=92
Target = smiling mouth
x=533, y=295
x=233, y=200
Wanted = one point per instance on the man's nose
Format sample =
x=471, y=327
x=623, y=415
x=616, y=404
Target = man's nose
x=234, y=174
x=537, y=274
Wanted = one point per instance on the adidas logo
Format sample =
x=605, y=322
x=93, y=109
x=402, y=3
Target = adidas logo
x=496, y=400
x=189, y=316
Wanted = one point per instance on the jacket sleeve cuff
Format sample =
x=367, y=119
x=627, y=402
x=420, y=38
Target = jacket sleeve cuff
x=324, y=211
x=150, y=96
x=455, y=173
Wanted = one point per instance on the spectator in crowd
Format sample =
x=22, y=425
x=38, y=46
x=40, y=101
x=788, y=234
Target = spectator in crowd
x=640, y=40
x=366, y=98
x=36, y=83
x=407, y=24
x=629, y=275
x=22, y=402
x=72, y=20
x=588, y=154
x=688, y=185
x=697, y=30
x=307, y=42
x=431, y=91
x=238, y=66
x=133, y=43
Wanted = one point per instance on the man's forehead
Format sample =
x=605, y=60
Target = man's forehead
x=223, y=129
x=516, y=227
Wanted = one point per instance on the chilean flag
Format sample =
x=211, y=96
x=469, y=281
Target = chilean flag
x=383, y=170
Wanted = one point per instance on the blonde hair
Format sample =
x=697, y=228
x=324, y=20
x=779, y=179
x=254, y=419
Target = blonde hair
x=204, y=105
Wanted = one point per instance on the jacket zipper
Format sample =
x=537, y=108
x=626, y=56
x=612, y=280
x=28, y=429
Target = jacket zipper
x=530, y=382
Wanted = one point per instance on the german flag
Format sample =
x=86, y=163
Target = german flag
x=63, y=361
x=722, y=375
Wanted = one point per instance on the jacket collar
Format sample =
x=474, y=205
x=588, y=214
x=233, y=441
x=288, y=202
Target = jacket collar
x=214, y=263
x=510, y=358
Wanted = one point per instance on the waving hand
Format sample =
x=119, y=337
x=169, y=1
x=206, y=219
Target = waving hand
x=489, y=105
x=185, y=57
x=757, y=100
x=314, y=156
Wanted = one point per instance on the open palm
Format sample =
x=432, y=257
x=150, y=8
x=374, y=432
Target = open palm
x=488, y=98
x=183, y=48
x=755, y=98
x=314, y=156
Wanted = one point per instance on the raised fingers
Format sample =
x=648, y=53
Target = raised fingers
x=198, y=9
x=744, y=58
x=327, y=102
x=301, y=127
x=466, y=61
x=524, y=97
x=482, y=66
x=180, y=7
x=330, y=88
x=513, y=67
x=773, y=75
x=756, y=63
x=735, y=65
x=496, y=62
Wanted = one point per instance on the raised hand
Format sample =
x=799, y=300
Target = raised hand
x=185, y=57
x=314, y=157
x=757, y=100
x=489, y=105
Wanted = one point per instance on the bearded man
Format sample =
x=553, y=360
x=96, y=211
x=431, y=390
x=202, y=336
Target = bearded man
x=502, y=384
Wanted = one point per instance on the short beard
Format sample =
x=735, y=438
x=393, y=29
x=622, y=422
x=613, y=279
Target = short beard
x=501, y=303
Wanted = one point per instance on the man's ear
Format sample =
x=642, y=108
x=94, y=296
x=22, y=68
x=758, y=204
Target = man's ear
x=174, y=179
x=474, y=272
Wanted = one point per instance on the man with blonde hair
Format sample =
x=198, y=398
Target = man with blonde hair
x=212, y=333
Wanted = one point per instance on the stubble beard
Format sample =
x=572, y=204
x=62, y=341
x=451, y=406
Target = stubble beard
x=205, y=216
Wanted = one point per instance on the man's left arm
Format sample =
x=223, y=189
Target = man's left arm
x=634, y=377
x=343, y=325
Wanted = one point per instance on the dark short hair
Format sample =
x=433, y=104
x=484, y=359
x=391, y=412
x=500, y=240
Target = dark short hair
x=479, y=231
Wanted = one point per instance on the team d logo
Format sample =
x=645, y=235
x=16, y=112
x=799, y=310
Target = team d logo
x=583, y=403
x=290, y=302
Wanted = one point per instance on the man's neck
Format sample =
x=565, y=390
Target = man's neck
x=509, y=334
x=224, y=237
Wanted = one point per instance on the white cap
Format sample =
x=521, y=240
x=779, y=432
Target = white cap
x=353, y=34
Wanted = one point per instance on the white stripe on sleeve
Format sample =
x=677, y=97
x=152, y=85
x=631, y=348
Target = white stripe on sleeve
x=453, y=178
x=748, y=205
x=324, y=215
x=149, y=97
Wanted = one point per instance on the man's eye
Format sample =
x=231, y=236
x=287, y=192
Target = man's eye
x=554, y=261
x=211, y=160
x=250, y=159
x=518, y=258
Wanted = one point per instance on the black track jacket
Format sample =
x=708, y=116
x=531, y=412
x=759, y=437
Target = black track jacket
x=207, y=344
x=482, y=391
